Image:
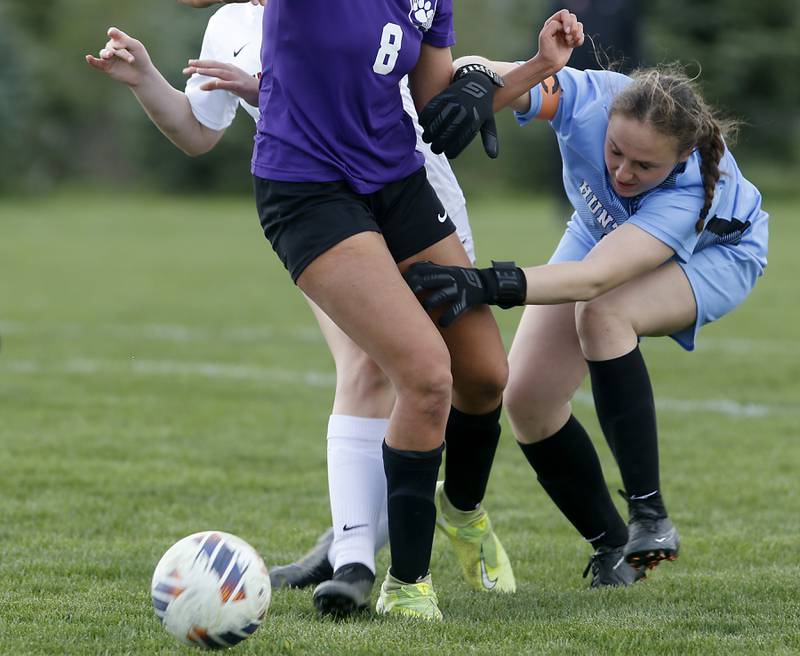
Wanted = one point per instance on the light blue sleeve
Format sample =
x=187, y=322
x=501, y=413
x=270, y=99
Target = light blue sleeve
x=583, y=94
x=670, y=215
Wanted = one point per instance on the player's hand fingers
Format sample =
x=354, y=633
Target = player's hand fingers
x=559, y=16
x=226, y=85
x=119, y=53
x=445, y=131
x=449, y=316
x=491, y=143
x=209, y=63
x=440, y=297
x=552, y=28
x=579, y=35
x=427, y=116
x=99, y=64
x=119, y=39
x=219, y=73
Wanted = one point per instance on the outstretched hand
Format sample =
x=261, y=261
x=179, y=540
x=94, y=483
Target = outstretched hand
x=225, y=76
x=502, y=284
x=123, y=58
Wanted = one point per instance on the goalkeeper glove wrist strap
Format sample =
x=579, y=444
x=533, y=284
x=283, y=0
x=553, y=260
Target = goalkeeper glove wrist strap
x=505, y=283
x=465, y=70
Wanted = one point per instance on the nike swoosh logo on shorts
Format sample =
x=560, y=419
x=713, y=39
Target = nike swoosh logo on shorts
x=442, y=217
x=487, y=582
x=350, y=528
x=236, y=52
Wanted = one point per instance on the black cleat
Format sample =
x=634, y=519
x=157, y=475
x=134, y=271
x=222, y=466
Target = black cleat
x=311, y=569
x=609, y=569
x=348, y=592
x=651, y=535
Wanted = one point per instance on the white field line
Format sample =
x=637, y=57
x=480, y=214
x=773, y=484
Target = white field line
x=166, y=332
x=210, y=370
x=312, y=378
x=310, y=333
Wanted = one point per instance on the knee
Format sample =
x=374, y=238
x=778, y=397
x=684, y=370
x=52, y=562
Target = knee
x=481, y=390
x=517, y=400
x=533, y=409
x=427, y=385
x=599, y=323
x=527, y=412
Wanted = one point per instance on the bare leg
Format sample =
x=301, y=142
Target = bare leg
x=379, y=312
x=356, y=428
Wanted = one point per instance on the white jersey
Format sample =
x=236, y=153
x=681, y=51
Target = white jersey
x=233, y=36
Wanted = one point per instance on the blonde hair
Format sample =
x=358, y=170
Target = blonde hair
x=667, y=99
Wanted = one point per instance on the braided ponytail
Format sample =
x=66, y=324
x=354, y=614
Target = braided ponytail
x=666, y=99
x=711, y=147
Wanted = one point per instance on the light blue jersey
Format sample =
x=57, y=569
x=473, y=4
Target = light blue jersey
x=670, y=211
x=722, y=262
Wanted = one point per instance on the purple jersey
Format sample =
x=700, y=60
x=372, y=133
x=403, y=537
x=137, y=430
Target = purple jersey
x=330, y=96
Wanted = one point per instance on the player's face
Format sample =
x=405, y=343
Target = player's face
x=637, y=157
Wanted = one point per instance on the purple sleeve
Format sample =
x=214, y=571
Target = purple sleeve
x=441, y=33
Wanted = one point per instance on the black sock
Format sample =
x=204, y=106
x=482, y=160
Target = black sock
x=410, y=485
x=353, y=573
x=567, y=466
x=623, y=398
x=471, y=443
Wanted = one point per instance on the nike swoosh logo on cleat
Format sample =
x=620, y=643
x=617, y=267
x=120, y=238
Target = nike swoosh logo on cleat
x=487, y=582
x=354, y=526
x=442, y=217
x=619, y=562
x=236, y=52
x=665, y=538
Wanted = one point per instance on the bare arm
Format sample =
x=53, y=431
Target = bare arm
x=622, y=255
x=126, y=60
x=431, y=75
x=521, y=103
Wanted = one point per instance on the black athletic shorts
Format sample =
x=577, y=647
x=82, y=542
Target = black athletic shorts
x=302, y=220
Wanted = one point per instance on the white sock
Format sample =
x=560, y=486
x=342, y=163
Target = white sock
x=357, y=487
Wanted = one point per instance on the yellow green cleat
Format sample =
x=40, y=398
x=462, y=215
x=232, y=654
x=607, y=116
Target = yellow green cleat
x=409, y=599
x=482, y=558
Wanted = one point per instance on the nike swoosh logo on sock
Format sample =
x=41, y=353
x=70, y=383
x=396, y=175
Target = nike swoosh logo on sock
x=354, y=526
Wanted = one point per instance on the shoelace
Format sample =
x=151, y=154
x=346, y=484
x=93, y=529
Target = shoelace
x=594, y=562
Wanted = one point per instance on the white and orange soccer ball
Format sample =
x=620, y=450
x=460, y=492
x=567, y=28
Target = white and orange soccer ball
x=211, y=590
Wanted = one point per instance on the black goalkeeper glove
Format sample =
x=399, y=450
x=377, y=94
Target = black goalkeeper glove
x=502, y=284
x=452, y=119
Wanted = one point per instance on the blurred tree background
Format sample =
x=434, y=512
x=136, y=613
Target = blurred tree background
x=64, y=123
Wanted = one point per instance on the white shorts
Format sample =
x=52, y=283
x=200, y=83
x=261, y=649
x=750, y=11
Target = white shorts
x=464, y=232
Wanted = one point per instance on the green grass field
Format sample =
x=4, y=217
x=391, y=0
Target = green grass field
x=160, y=375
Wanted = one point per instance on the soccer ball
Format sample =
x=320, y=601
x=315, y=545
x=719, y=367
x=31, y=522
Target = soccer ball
x=211, y=590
